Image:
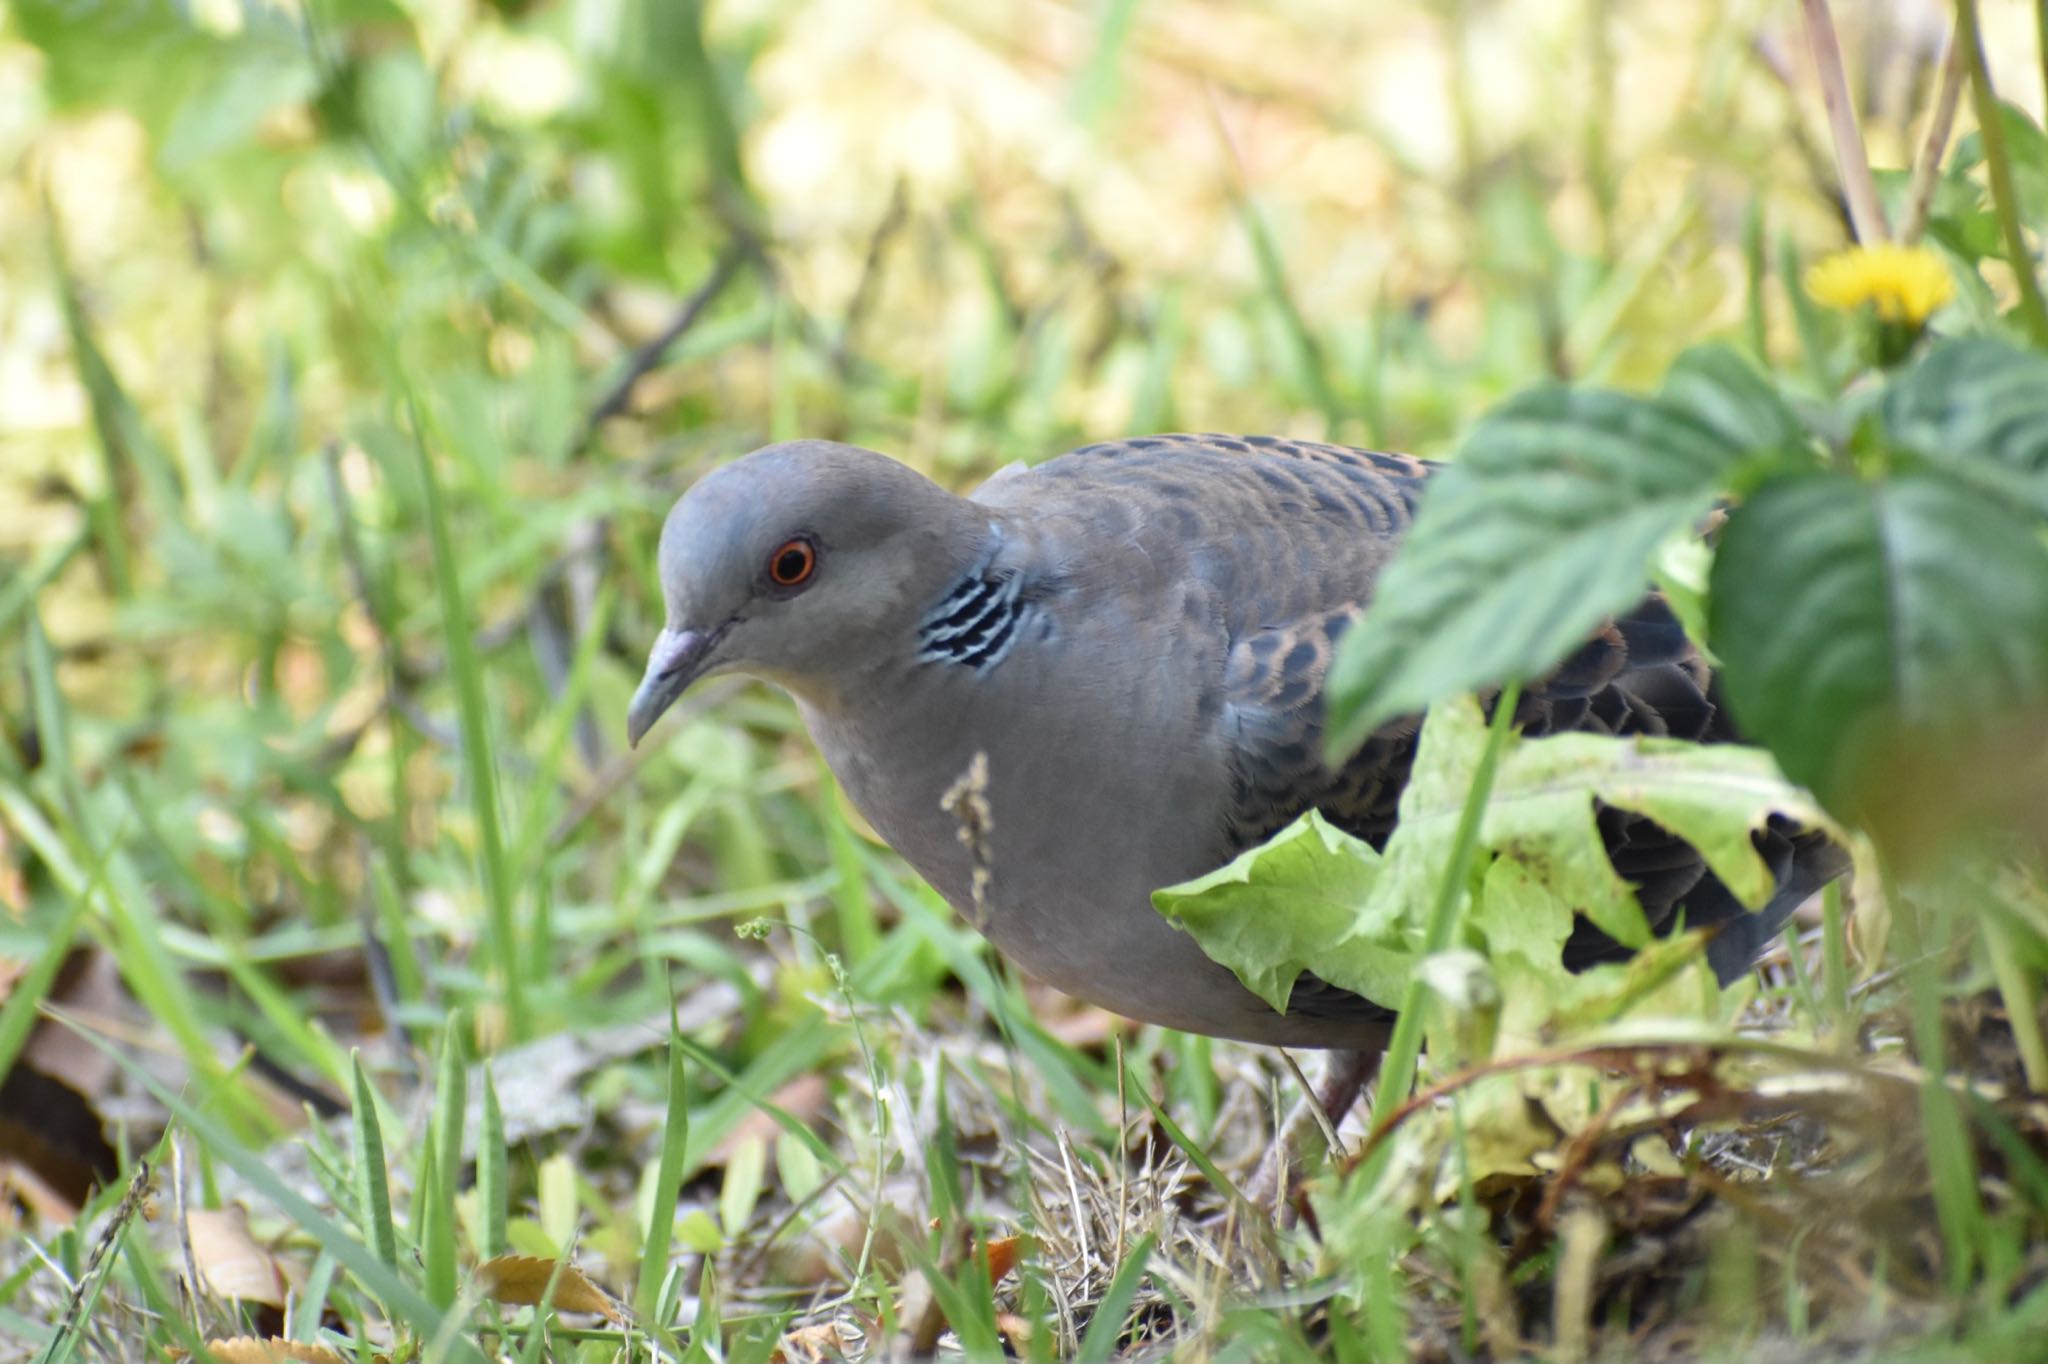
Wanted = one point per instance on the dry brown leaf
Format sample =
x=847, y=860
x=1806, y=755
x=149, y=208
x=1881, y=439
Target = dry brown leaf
x=1002, y=1256
x=820, y=1343
x=90, y=988
x=233, y=1264
x=19, y=1183
x=802, y=1098
x=522, y=1281
x=275, y=1350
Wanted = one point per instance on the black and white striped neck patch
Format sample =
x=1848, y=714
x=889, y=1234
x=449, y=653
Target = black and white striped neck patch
x=975, y=624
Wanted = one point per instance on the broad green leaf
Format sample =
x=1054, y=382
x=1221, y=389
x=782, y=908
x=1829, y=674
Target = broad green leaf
x=1316, y=899
x=2026, y=149
x=1542, y=823
x=1668, y=977
x=1847, y=612
x=1711, y=795
x=1518, y=913
x=1281, y=908
x=1543, y=529
x=1979, y=406
x=1724, y=390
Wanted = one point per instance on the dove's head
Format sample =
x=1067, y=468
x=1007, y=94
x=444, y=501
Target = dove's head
x=808, y=564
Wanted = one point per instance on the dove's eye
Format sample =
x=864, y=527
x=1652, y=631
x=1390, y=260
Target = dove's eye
x=793, y=564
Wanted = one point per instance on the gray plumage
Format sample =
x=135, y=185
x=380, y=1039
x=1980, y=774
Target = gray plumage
x=1135, y=634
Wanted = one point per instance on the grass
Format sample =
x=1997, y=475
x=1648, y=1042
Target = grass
x=348, y=364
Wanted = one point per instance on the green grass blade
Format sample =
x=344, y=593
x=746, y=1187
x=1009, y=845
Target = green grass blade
x=668, y=1183
x=492, y=1192
x=1397, y=1069
x=371, y=1180
x=451, y=1097
x=408, y=1307
x=476, y=741
x=1099, y=1342
x=1307, y=350
x=1755, y=275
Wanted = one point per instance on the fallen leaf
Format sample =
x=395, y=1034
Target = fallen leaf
x=802, y=1098
x=254, y=1350
x=817, y=1344
x=522, y=1281
x=1002, y=1256
x=232, y=1263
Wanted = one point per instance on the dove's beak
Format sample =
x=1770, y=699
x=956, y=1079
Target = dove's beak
x=679, y=657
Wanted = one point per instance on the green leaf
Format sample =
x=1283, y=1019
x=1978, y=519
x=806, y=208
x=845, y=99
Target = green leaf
x=1317, y=899
x=1278, y=909
x=1518, y=914
x=1543, y=529
x=1723, y=389
x=2027, y=149
x=225, y=112
x=1978, y=406
x=1847, y=612
x=1712, y=796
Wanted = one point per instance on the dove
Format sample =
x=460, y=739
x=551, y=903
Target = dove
x=1119, y=656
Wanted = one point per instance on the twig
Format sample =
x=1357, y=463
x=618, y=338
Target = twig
x=649, y=355
x=1927, y=170
x=1774, y=63
x=1316, y=1110
x=1633, y=1054
x=892, y=221
x=1865, y=212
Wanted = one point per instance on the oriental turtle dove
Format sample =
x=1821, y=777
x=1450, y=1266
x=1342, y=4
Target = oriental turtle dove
x=1135, y=635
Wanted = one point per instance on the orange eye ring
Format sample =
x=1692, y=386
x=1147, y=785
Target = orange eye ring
x=793, y=563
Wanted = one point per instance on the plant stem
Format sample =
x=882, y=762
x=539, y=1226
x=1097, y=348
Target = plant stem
x=1397, y=1070
x=1866, y=214
x=1998, y=165
x=2041, y=41
x=1940, y=121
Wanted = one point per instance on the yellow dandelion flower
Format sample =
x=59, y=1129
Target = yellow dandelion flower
x=1901, y=283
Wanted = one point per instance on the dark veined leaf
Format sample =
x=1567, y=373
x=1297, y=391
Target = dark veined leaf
x=1979, y=406
x=1723, y=389
x=1543, y=528
x=1847, y=614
